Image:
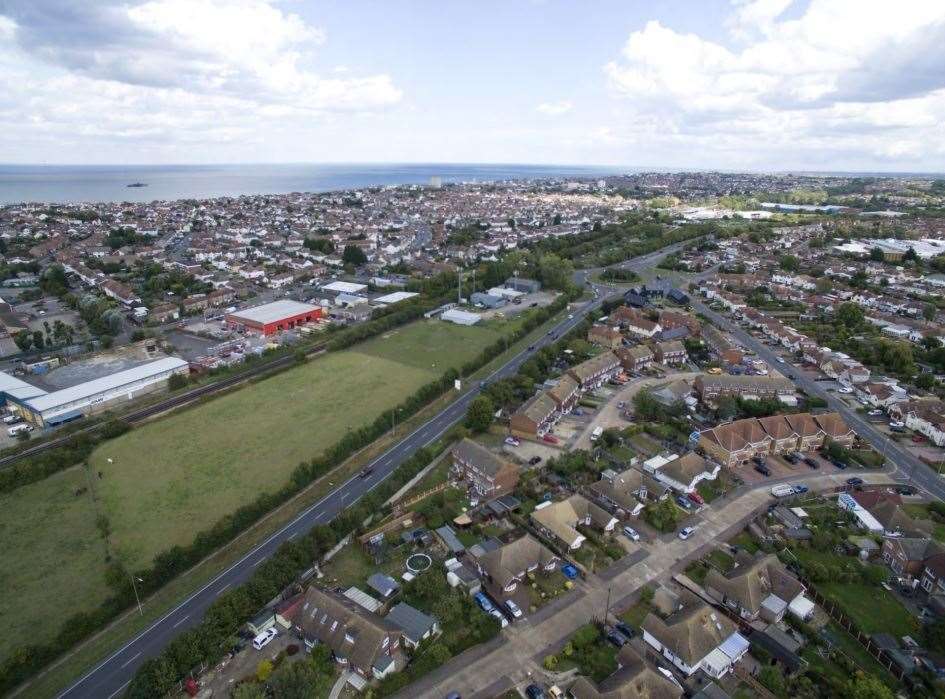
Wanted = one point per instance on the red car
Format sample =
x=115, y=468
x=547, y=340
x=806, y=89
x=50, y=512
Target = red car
x=695, y=497
x=918, y=439
x=551, y=439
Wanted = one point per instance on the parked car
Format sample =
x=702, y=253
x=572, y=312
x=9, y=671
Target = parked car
x=550, y=438
x=533, y=691
x=854, y=482
x=485, y=604
x=265, y=638
x=534, y=460
x=624, y=629
x=500, y=617
x=844, y=389
x=812, y=462
x=617, y=638
x=791, y=458
x=569, y=571
x=631, y=533
x=896, y=423
x=578, y=412
x=763, y=469
x=512, y=441
x=683, y=502
x=800, y=488
x=696, y=498
x=686, y=532
x=514, y=609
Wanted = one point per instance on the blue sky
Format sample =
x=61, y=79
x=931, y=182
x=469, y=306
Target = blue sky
x=734, y=84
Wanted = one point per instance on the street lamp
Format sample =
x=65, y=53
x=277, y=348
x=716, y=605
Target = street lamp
x=393, y=422
x=135, y=588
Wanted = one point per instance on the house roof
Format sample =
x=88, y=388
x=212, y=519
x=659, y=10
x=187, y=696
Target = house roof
x=594, y=366
x=563, y=389
x=415, y=624
x=561, y=517
x=538, y=407
x=510, y=560
x=687, y=467
x=754, y=580
x=474, y=453
x=692, y=632
x=634, y=679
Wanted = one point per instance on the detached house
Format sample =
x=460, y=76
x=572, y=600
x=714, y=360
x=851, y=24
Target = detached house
x=560, y=520
x=367, y=644
x=506, y=566
x=487, y=475
x=685, y=473
x=628, y=490
x=634, y=679
x=695, y=637
x=758, y=587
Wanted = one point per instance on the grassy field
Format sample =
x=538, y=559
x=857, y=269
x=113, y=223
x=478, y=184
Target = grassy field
x=872, y=608
x=179, y=475
x=52, y=556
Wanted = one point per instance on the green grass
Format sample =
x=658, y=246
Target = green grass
x=181, y=474
x=635, y=615
x=353, y=566
x=873, y=609
x=921, y=512
x=52, y=557
x=721, y=561
x=746, y=541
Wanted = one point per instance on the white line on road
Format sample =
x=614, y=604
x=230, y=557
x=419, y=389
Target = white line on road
x=131, y=659
x=222, y=589
x=260, y=561
x=119, y=690
x=181, y=620
x=292, y=536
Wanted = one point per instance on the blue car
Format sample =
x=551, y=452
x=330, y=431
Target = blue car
x=569, y=571
x=485, y=604
x=800, y=488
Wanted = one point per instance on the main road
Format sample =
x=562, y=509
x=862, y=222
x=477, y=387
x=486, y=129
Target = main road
x=113, y=674
x=908, y=465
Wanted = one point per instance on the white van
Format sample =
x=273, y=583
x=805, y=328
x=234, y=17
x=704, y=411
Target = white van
x=598, y=431
x=11, y=419
x=16, y=429
x=264, y=638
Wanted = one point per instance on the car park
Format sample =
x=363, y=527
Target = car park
x=631, y=533
x=686, y=532
x=513, y=609
x=265, y=638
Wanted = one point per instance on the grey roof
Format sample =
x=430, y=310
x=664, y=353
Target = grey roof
x=449, y=538
x=415, y=624
x=17, y=388
x=271, y=312
x=384, y=584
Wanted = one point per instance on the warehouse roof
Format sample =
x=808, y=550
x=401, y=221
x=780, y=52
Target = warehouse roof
x=272, y=312
x=344, y=287
x=395, y=297
x=17, y=388
x=105, y=383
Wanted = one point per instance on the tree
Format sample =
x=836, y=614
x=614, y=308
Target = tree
x=38, y=341
x=910, y=255
x=263, y=670
x=176, y=381
x=23, y=340
x=925, y=381
x=298, y=680
x=353, y=255
x=789, y=263
x=250, y=690
x=929, y=311
x=850, y=315
x=480, y=414
x=554, y=272
x=772, y=678
x=867, y=687
x=877, y=254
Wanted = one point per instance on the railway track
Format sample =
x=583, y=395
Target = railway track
x=136, y=416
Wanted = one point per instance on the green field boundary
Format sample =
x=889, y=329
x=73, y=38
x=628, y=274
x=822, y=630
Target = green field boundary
x=59, y=674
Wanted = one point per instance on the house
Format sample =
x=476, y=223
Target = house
x=709, y=388
x=835, y=428
x=671, y=353
x=643, y=327
x=165, y=312
x=416, y=625
x=695, y=637
x=595, y=371
x=906, y=556
x=604, y=336
x=483, y=471
x=635, y=358
x=735, y=443
x=565, y=393
x=759, y=586
x=120, y=292
x=507, y=565
x=633, y=679
x=628, y=490
x=927, y=417
x=535, y=417
x=560, y=520
x=366, y=643
x=684, y=473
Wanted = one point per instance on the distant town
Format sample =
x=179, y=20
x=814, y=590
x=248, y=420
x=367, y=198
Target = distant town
x=652, y=435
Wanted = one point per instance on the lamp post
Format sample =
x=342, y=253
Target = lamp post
x=135, y=588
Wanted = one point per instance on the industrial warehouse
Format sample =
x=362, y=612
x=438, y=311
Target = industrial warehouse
x=47, y=409
x=274, y=317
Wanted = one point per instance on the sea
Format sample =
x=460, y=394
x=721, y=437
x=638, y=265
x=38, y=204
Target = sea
x=60, y=184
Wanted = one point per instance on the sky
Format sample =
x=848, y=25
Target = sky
x=829, y=85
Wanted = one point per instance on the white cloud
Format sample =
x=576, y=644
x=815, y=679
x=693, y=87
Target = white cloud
x=843, y=75
x=555, y=108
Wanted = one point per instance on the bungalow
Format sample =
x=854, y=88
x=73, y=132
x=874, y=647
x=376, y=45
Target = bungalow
x=507, y=565
x=483, y=471
x=595, y=371
x=367, y=644
x=758, y=586
x=632, y=679
x=416, y=625
x=671, y=353
x=628, y=490
x=165, y=312
x=560, y=520
x=695, y=637
x=635, y=358
x=684, y=473
x=604, y=336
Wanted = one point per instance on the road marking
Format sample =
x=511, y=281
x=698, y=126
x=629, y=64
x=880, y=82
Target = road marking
x=119, y=690
x=261, y=560
x=181, y=620
x=292, y=536
x=131, y=659
x=222, y=589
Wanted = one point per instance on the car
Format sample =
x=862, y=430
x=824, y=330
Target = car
x=367, y=471
x=854, y=482
x=485, y=604
x=906, y=490
x=812, y=462
x=550, y=438
x=875, y=413
x=534, y=460
x=763, y=469
x=686, y=532
x=800, y=488
x=617, y=638
x=265, y=638
x=531, y=348
x=570, y=316
x=839, y=464
x=896, y=423
x=500, y=617
x=513, y=609
x=569, y=571
x=551, y=332
x=791, y=458
x=621, y=405
x=512, y=441
x=533, y=691
x=454, y=695
x=683, y=502
x=631, y=533
x=894, y=428
x=791, y=377
x=624, y=629
x=918, y=438
x=760, y=460
x=696, y=498
x=844, y=389
x=781, y=359
x=578, y=412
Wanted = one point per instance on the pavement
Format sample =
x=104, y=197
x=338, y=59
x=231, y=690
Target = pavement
x=112, y=675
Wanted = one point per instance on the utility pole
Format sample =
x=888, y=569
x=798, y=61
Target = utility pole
x=607, y=608
x=459, y=287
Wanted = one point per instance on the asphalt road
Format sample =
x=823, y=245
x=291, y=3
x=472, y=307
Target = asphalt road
x=908, y=465
x=112, y=675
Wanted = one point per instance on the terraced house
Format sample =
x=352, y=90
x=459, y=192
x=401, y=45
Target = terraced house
x=535, y=417
x=711, y=388
x=485, y=473
x=595, y=371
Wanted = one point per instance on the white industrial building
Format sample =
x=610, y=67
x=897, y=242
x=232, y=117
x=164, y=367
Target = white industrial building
x=46, y=409
x=454, y=315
